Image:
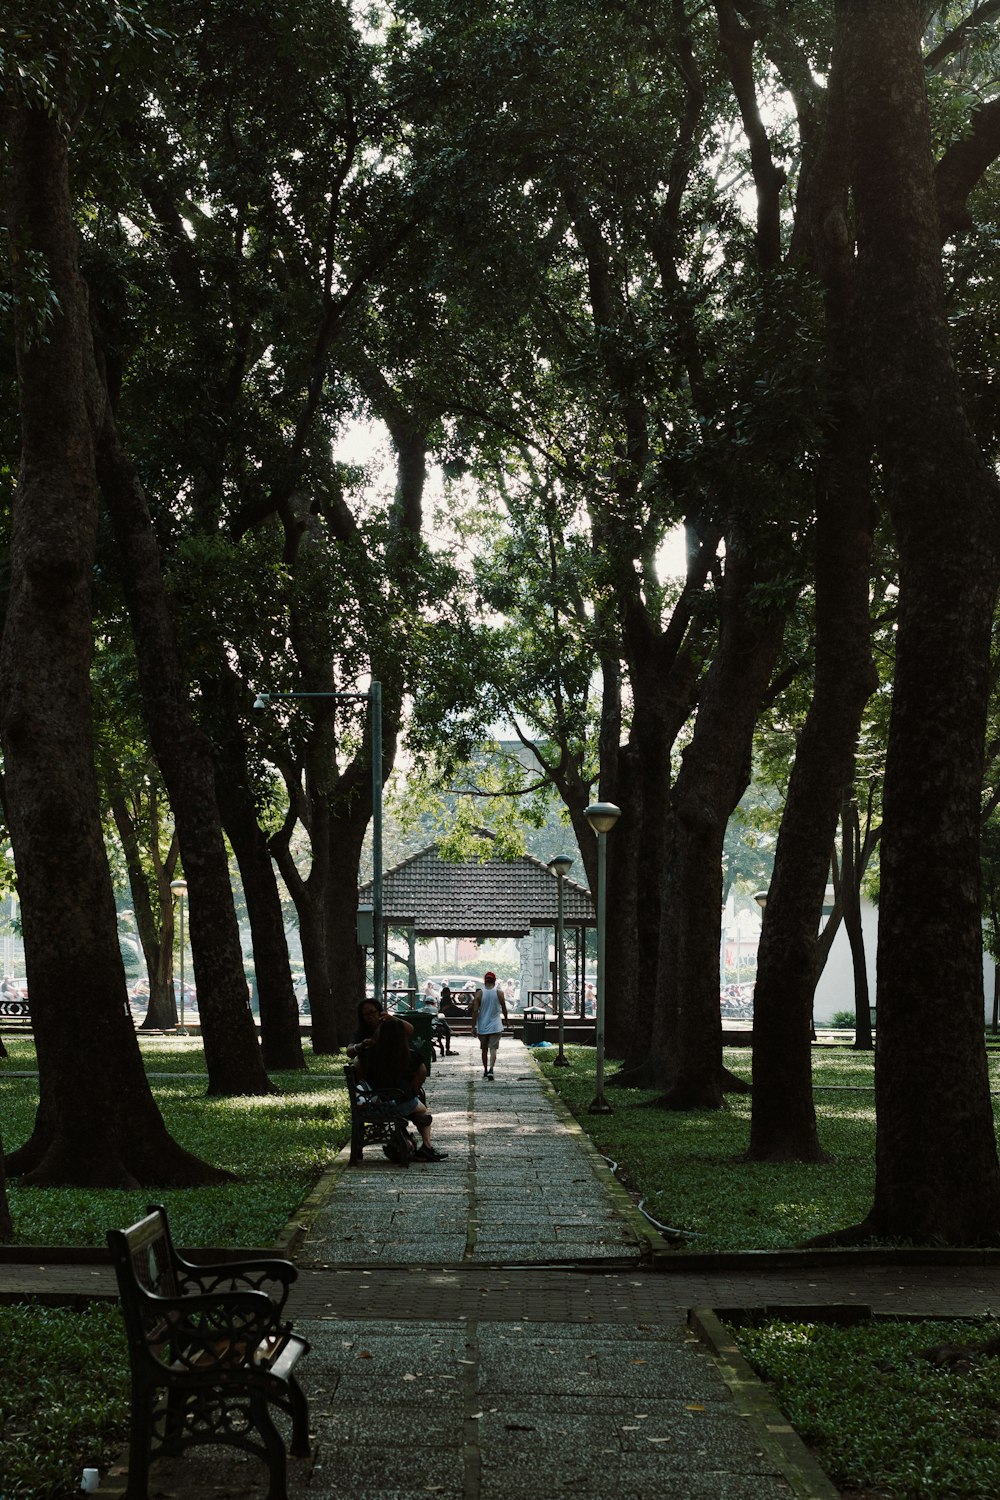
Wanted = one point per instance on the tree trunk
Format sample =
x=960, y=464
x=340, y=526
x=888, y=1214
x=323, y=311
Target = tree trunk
x=783, y=1124
x=162, y=1012
x=98, y=1124
x=715, y=771
x=232, y=1052
x=662, y=700
x=157, y=942
x=280, y=1032
x=6, y=1222
x=852, y=873
x=937, y=1175
x=345, y=959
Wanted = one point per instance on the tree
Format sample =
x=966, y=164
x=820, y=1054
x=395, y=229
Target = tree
x=270, y=184
x=108, y=1132
x=184, y=755
x=937, y=1176
x=783, y=1123
x=6, y=1223
x=136, y=808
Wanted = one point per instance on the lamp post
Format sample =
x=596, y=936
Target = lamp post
x=560, y=865
x=373, y=698
x=602, y=817
x=179, y=888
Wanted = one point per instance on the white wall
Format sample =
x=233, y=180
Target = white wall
x=835, y=990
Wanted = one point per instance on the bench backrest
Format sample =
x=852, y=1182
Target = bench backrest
x=144, y=1263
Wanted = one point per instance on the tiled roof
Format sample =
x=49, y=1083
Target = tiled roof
x=477, y=898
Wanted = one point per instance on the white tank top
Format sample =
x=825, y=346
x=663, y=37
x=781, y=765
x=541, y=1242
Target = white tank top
x=490, y=1017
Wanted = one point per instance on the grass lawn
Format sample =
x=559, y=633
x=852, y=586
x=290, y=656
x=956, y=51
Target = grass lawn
x=687, y=1168
x=882, y=1419
x=68, y=1407
x=276, y=1145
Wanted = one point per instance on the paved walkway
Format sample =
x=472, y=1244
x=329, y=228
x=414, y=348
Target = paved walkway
x=503, y=1325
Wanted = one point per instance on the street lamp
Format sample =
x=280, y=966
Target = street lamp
x=179, y=888
x=602, y=817
x=560, y=865
x=373, y=698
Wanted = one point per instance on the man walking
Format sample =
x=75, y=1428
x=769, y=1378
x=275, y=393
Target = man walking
x=489, y=1017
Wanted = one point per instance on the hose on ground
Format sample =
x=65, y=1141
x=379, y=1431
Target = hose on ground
x=666, y=1229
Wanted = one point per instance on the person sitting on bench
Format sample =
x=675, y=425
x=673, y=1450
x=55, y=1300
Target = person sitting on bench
x=388, y=1063
x=370, y=1017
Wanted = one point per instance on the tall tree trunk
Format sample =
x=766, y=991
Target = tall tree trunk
x=783, y=1123
x=183, y=753
x=715, y=771
x=345, y=960
x=937, y=1174
x=6, y=1222
x=663, y=687
x=280, y=1032
x=157, y=940
x=853, y=872
x=98, y=1124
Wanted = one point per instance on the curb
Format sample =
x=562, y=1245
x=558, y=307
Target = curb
x=780, y=1442
x=289, y=1241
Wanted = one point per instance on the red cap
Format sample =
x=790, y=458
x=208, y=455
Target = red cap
x=490, y=977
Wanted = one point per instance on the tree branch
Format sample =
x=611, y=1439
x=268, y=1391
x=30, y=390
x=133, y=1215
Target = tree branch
x=736, y=42
x=962, y=166
x=956, y=39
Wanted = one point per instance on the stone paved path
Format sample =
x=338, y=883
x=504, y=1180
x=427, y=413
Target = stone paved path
x=519, y=1186
x=491, y=1327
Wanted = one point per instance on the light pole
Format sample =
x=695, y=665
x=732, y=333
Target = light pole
x=179, y=888
x=560, y=865
x=602, y=817
x=373, y=698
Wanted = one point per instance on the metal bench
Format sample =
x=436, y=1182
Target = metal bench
x=209, y=1353
x=375, y=1122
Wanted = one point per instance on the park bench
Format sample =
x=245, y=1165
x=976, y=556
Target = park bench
x=14, y=1008
x=375, y=1121
x=209, y=1353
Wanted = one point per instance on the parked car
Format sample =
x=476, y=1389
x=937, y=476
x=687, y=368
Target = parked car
x=455, y=982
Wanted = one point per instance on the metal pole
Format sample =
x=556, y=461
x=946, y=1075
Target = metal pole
x=179, y=889
x=560, y=866
x=599, y=1105
x=182, y=1030
x=378, y=962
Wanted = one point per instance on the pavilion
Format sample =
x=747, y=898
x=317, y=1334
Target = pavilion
x=431, y=896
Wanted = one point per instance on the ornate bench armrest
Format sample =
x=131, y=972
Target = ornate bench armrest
x=273, y=1277
x=211, y=1329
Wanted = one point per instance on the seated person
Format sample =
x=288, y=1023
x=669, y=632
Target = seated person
x=387, y=1062
x=440, y=1030
x=370, y=1017
x=448, y=1005
x=441, y=1033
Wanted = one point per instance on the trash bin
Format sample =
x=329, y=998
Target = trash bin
x=421, y=1021
x=534, y=1027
